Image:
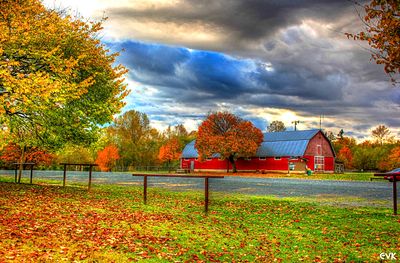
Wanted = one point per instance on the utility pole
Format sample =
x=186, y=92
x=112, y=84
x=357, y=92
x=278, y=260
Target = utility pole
x=320, y=121
x=295, y=124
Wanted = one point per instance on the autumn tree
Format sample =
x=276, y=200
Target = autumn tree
x=381, y=134
x=107, y=158
x=382, y=32
x=71, y=153
x=391, y=161
x=276, y=126
x=229, y=136
x=180, y=133
x=137, y=141
x=346, y=156
x=58, y=82
x=170, y=151
x=12, y=153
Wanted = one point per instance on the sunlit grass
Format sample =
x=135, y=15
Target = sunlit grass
x=110, y=223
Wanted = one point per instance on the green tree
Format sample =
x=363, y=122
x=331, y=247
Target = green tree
x=58, y=82
x=138, y=143
x=71, y=153
x=276, y=126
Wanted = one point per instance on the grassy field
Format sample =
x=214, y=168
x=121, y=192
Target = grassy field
x=43, y=223
x=350, y=176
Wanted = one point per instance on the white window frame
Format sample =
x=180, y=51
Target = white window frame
x=277, y=158
x=319, y=163
x=262, y=158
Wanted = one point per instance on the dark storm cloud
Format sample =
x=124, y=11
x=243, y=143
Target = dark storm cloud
x=241, y=21
x=274, y=54
x=190, y=76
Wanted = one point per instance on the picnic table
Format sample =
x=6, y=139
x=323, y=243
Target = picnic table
x=392, y=177
x=205, y=177
x=24, y=165
x=81, y=165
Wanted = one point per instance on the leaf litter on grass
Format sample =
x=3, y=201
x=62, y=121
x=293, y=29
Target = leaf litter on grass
x=110, y=223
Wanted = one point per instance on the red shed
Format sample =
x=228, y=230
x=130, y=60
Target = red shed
x=279, y=152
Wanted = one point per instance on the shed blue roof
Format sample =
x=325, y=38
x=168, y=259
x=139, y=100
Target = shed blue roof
x=287, y=143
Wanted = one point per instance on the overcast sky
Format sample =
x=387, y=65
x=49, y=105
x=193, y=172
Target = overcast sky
x=263, y=60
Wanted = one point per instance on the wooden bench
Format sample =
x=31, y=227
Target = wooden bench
x=206, y=181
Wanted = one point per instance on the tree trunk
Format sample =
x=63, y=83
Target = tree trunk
x=232, y=161
x=21, y=163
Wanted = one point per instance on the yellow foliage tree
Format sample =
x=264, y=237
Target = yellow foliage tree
x=57, y=80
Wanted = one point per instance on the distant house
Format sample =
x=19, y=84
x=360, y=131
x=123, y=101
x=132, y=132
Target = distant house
x=279, y=152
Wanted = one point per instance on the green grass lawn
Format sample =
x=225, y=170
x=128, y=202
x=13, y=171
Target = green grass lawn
x=345, y=176
x=43, y=223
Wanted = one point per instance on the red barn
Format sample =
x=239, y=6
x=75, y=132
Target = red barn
x=279, y=152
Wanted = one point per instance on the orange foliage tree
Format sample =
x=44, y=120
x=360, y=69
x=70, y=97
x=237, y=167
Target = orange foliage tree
x=346, y=156
x=170, y=151
x=382, y=33
x=12, y=153
x=107, y=158
x=228, y=135
x=392, y=161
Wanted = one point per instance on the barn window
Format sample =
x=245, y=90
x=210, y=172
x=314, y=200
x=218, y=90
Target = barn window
x=209, y=159
x=277, y=158
x=319, y=163
x=263, y=158
x=196, y=159
x=186, y=159
x=247, y=159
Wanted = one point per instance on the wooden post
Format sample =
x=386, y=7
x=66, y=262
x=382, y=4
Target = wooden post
x=16, y=169
x=65, y=175
x=145, y=189
x=206, y=194
x=90, y=176
x=394, y=194
x=31, y=173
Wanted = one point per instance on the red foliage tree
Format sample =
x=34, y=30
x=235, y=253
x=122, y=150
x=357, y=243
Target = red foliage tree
x=107, y=158
x=12, y=153
x=228, y=135
x=170, y=151
x=346, y=156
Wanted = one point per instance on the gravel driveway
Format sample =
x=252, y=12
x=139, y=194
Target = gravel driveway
x=356, y=193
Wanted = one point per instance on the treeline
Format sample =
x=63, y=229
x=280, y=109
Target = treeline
x=129, y=143
x=382, y=153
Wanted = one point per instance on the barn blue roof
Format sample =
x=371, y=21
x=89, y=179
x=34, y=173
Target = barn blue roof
x=287, y=143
